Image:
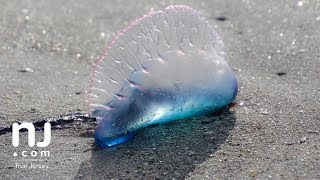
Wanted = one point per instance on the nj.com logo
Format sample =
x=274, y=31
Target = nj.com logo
x=31, y=139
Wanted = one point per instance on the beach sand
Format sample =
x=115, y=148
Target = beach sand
x=47, y=50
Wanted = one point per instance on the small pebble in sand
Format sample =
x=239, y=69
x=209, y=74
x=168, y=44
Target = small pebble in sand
x=281, y=73
x=221, y=18
x=26, y=70
x=264, y=112
x=303, y=139
x=253, y=173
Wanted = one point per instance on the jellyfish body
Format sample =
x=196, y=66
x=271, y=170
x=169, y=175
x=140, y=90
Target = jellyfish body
x=166, y=66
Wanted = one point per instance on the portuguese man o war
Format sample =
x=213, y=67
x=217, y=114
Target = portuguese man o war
x=166, y=66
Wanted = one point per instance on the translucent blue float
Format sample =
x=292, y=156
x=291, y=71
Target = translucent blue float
x=166, y=66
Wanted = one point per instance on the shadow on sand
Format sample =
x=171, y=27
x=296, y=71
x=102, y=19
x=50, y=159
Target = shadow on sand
x=163, y=151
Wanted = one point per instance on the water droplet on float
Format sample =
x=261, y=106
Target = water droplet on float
x=300, y=3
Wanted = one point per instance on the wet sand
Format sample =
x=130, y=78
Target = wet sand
x=46, y=55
